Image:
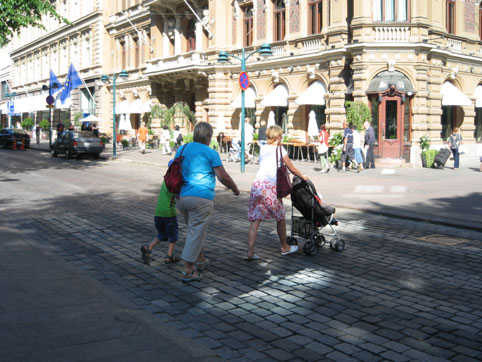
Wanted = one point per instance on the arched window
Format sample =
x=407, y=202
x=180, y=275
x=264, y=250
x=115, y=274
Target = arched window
x=315, y=21
x=279, y=27
x=391, y=10
x=450, y=16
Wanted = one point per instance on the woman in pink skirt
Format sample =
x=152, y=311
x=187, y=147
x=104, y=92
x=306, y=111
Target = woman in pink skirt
x=263, y=202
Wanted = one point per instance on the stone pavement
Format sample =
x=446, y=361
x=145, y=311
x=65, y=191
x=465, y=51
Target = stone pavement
x=398, y=292
x=445, y=197
x=52, y=311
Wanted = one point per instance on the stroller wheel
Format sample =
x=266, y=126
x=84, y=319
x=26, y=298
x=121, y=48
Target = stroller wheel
x=310, y=248
x=337, y=245
x=318, y=239
x=292, y=241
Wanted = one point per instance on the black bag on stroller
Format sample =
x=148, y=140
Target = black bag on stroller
x=441, y=159
x=315, y=216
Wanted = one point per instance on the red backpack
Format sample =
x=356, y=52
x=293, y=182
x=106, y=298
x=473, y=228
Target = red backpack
x=173, y=176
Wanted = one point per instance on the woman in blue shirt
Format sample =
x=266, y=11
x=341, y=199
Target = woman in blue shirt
x=200, y=167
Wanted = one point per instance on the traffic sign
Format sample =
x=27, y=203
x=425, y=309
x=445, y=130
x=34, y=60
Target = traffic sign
x=11, y=107
x=50, y=100
x=244, y=80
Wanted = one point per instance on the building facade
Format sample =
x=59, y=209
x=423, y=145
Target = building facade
x=417, y=64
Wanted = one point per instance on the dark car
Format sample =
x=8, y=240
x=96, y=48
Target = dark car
x=77, y=143
x=8, y=135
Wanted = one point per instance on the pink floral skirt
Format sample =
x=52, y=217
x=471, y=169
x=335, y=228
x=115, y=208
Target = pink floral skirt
x=263, y=203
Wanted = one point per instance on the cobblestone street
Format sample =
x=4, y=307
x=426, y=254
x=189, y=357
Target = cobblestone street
x=402, y=290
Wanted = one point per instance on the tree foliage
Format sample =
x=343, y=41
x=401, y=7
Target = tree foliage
x=357, y=113
x=18, y=14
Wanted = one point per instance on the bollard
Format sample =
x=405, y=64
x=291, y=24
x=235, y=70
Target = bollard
x=22, y=146
x=14, y=144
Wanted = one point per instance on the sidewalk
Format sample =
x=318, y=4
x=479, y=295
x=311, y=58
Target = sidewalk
x=444, y=197
x=52, y=311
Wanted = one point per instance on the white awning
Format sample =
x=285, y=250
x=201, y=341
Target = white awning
x=314, y=94
x=136, y=107
x=478, y=96
x=453, y=97
x=249, y=99
x=4, y=108
x=122, y=107
x=31, y=104
x=277, y=98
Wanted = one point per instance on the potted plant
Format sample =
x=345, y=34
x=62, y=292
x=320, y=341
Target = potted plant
x=335, y=150
x=424, y=146
x=27, y=124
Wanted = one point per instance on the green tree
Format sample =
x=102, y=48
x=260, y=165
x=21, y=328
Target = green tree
x=18, y=14
x=27, y=123
x=357, y=113
x=44, y=124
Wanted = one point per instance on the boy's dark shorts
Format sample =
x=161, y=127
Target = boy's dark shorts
x=166, y=228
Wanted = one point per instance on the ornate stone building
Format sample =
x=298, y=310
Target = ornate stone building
x=416, y=63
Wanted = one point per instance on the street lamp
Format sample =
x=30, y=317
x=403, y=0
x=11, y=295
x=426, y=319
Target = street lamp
x=9, y=96
x=265, y=51
x=105, y=79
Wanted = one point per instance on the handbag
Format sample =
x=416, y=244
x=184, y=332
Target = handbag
x=462, y=149
x=283, y=181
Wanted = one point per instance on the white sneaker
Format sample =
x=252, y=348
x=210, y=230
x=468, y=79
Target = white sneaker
x=293, y=249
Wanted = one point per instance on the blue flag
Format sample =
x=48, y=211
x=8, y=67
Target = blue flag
x=54, y=82
x=71, y=82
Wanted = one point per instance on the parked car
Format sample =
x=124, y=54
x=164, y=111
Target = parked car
x=77, y=143
x=8, y=135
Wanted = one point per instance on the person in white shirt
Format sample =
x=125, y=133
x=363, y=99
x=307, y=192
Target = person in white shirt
x=357, y=148
x=166, y=141
x=263, y=201
x=248, y=138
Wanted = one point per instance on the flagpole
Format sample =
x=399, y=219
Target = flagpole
x=85, y=85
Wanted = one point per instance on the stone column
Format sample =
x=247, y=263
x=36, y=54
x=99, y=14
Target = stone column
x=199, y=37
x=165, y=40
x=177, y=37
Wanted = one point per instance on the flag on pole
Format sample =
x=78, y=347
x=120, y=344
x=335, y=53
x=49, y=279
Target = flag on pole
x=54, y=82
x=71, y=82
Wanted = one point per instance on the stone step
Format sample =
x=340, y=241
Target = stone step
x=392, y=163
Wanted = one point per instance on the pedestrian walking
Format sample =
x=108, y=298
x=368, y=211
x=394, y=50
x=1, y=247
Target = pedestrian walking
x=165, y=221
x=455, y=140
x=142, y=137
x=166, y=141
x=263, y=202
x=369, y=144
x=357, y=148
x=200, y=167
x=347, y=153
x=177, y=138
x=37, y=133
x=323, y=149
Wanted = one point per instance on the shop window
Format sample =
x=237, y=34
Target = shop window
x=407, y=136
x=478, y=124
x=450, y=16
x=391, y=10
x=315, y=16
x=448, y=119
x=319, y=113
x=248, y=26
x=279, y=20
x=374, y=104
x=281, y=118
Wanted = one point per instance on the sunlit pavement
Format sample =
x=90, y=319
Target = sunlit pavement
x=402, y=290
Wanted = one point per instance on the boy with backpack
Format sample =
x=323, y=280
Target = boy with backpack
x=165, y=220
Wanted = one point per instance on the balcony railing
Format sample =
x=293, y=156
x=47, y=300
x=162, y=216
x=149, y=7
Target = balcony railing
x=177, y=61
x=311, y=46
x=393, y=34
x=454, y=45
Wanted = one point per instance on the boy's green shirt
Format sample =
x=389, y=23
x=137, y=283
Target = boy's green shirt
x=166, y=203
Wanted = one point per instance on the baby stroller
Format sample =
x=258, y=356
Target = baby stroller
x=315, y=217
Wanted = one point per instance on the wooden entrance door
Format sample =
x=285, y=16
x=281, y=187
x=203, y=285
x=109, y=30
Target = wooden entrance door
x=391, y=126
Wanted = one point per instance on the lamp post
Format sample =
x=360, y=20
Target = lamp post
x=105, y=79
x=265, y=51
x=10, y=95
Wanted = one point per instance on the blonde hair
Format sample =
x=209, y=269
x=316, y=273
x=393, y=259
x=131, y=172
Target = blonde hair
x=273, y=133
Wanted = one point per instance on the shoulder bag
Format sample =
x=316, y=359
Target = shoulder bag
x=283, y=181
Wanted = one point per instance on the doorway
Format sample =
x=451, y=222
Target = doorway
x=391, y=127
